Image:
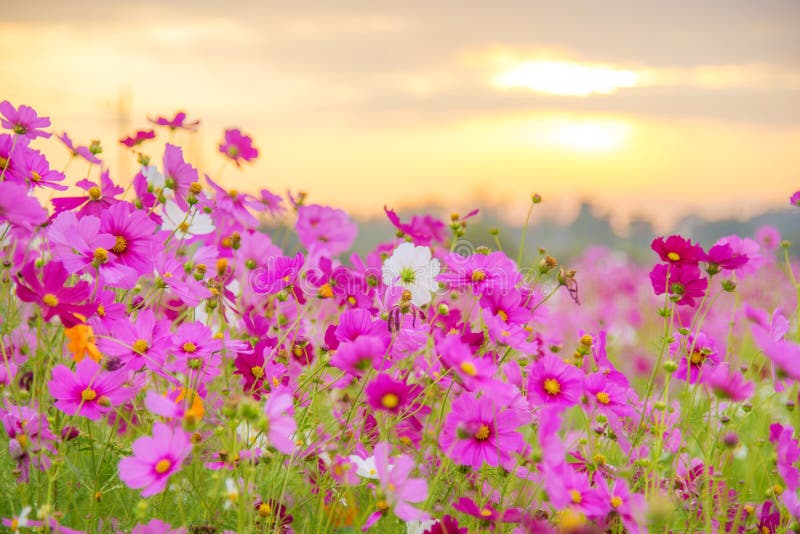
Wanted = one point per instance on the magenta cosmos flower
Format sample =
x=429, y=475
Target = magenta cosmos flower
x=397, y=487
x=155, y=459
x=23, y=121
x=138, y=138
x=387, y=394
x=678, y=250
x=97, y=199
x=178, y=175
x=133, y=236
x=18, y=209
x=89, y=391
x=324, y=227
x=52, y=295
x=795, y=199
x=685, y=282
x=422, y=230
x=82, y=151
x=478, y=431
x=553, y=382
x=281, y=425
x=178, y=122
x=238, y=147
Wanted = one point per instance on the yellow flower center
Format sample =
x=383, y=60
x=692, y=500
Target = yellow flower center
x=674, y=256
x=264, y=510
x=94, y=193
x=140, y=346
x=482, y=433
x=120, y=245
x=390, y=400
x=50, y=299
x=603, y=398
x=257, y=371
x=382, y=506
x=195, y=188
x=88, y=394
x=503, y=315
x=22, y=439
x=697, y=357
x=486, y=512
x=552, y=386
x=35, y=176
x=100, y=255
x=575, y=495
x=189, y=347
x=101, y=310
x=163, y=466
x=325, y=291
x=478, y=275
x=616, y=501
x=184, y=227
x=468, y=368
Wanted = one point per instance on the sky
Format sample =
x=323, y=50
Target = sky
x=647, y=109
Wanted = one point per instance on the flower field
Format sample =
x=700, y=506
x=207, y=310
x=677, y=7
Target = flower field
x=172, y=364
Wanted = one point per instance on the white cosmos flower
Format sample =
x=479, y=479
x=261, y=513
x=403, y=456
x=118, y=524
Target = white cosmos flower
x=365, y=467
x=153, y=176
x=412, y=268
x=175, y=219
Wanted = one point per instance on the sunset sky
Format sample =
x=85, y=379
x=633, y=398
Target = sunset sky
x=654, y=109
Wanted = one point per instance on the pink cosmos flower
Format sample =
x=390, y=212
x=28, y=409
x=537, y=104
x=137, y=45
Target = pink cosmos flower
x=746, y=248
x=568, y=488
x=52, y=295
x=156, y=526
x=80, y=246
x=179, y=122
x=685, y=282
x=35, y=170
x=238, y=147
x=722, y=256
x=279, y=410
x=178, y=174
x=271, y=203
x=155, y=459
x=553, y=382
x=9, y=153
x=234, y=203
x=387, y=394
x=630, y=507
x=29, y=438
x=729, y=384
x=488, y=514
x=327, y=228
x=485, y=274
x=788, y=453
x=82, y=151
x=608, y=394
x=18, y=209
x=98, y=198
x=139, y=342
x=133, y=234
x=23, y=121
x=399, y=489
x=89, y=391
x=795, y=199
x=366, y=352
x=422, y=230
x=138, y=138
x=478, y=431
x=678, y=250
x=701, y=359
x=768, y=237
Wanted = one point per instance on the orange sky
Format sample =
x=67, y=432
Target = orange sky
x=648, y=109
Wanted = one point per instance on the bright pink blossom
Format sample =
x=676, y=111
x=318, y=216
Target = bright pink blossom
x=155, y=459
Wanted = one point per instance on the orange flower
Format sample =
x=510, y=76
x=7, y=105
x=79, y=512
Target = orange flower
x=81, y=342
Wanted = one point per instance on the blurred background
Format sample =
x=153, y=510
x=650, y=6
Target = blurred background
x=628, y=117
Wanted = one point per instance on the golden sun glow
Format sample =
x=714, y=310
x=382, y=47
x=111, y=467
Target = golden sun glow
x=588, y=135
x=565, y=78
